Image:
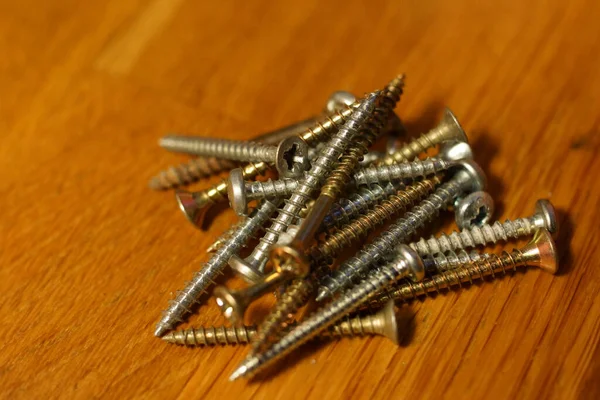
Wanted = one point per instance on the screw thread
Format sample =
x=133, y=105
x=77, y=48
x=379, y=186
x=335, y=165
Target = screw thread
x=476, y=236
x=270, y=188
x=357, y=203
x=417, y=146
x=238, y=150
x=450, y=260
x=189, y=172
x=294, y=297
x=381, y=247
x=474, y=269
x=312, y=178
x=414, y=169
x=225, y=236
x=323, y=318
x=370, y=221
x=329, y=125
x=186, y=298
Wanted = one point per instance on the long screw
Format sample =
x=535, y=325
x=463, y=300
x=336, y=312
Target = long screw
x=382, y=323
x=544, y=217
x=469, y=177
x=186, y=298
x=447, y=130
x=195, y=205
x=241, y=192
x=540, y=252
x=234, y=303
x=411, y=266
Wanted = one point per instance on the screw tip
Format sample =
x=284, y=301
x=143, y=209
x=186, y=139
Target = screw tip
x=160, y=330
x=322, y=294
x=238, y=373
x=169, y=338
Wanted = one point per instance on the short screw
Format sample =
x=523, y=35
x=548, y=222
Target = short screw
x=447, y=130
x=382, y=323
x=411, y=266
x=189, y=296
x=241, y=192
x=540, y=252
x=468, y=177
x=544, y=217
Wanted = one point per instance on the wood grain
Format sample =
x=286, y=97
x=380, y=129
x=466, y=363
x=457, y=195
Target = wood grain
x=90, y=256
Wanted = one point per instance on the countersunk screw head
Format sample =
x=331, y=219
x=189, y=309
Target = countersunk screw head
x=546, y=211
x=230, y=303
x=288, y=259
x=189, y=206
x=455, y=151
x=291, y=159
x=245, y=270
x=414, y=263
x=454, y=131
x=473, y=174
x=389, y=323
x=236, y=192
x=475, y=209
x=541, y=251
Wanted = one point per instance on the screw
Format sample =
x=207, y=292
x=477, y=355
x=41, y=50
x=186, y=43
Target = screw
x=540, y=252
x=240, y=192
x=195, y=205
x=447, y=130
x=468, y=177
x=411, y=266
x=544, y=217
x=475, y=209
x=338, y=100
x=382, y=323
x=213, y=267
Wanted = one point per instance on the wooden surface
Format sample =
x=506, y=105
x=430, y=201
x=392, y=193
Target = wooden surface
x=90, y=256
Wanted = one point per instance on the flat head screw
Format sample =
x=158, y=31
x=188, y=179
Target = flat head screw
x=411, y=266
x=467, y=177
x=382, y=323
x=544, y=217
x=540, y=252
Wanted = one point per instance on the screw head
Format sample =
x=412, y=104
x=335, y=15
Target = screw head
x=453, y=130
x=389, y=323
x=339, y=100
x=236, y=192
x=414, y=263
x=547, y=212
x=243, y=269
x=455, y=151
x=189, y=205
x=286, y=258
x=475, y=209
x=232, y=305
x=472, y=174
x=291, y=159
x=541, y=251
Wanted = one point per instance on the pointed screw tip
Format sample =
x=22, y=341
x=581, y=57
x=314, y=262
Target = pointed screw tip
x=160, y=331
x=238, y=373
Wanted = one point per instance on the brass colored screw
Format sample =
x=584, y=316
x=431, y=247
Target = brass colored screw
x=543, y=218
x=447, y=130
x=540, y=252
x=382, y=323
x=189, y=172
x=411, y=265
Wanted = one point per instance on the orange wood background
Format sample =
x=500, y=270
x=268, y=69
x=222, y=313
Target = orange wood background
x=89, y=255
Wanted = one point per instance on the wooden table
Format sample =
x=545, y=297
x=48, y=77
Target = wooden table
x=90, y=256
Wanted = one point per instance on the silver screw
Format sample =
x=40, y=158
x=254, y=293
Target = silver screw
x=544, y=217
x=241, y=192
x=475, y=209
x=468, y=177
x=186, y=298
x=290, y=156
x=411, y=266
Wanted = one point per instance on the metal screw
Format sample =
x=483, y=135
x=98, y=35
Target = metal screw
x=469, y=177
x=544, y=217
x=382, y=323
x=241, y=192
x=298, y=291
x=195, y=205
x=447, y=130
x=540, y=252
x=213, y=267
x=475, y=209
x=411, y=266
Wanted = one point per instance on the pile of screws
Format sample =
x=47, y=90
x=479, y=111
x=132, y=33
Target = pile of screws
x=331, y=194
